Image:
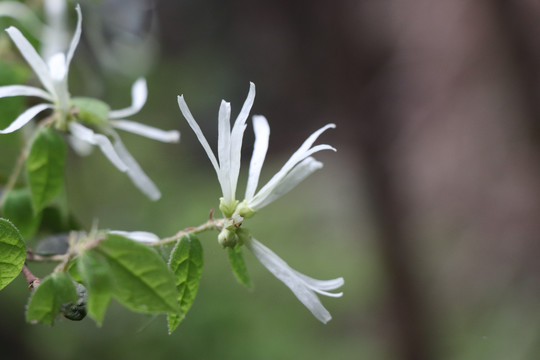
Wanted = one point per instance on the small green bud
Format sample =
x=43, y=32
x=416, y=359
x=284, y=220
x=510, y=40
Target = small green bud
x=244, y=210
x=227, y=209
x=227, y=238
x=91, y=111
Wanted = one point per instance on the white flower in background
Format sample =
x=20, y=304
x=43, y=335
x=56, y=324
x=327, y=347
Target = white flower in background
x=140, y=236
x=297, y=168
x=54, y=76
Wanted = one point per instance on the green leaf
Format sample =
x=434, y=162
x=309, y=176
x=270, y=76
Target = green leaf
x=186, y=262
x=239, y=266
x=97, y=278
x=142, y=280
x=12, y=252
x=46, y=302
x=17, y=207
x=91, y=111
x=45, y=167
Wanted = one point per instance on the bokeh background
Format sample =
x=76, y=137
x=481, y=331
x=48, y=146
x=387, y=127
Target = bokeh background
x=430, y=209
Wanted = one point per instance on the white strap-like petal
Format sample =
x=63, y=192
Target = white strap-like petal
x=85, y=134
x=82, y=148
x=58, y=68
x=139, y=94
x=288, y=276
x=25, y=117
x=289, y=181
x=76, y=37
x=23, y=90
x=32, y=57
x=313, y=137
x=224, y=151
x=321, y=284
x=171, y=136
x=302, y=153
x=198, y=132
x=237, y=135
x=140, y=236
x=262, y=137
x=135, y=173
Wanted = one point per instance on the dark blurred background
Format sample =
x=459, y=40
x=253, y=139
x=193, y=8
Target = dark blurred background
x=430, y=209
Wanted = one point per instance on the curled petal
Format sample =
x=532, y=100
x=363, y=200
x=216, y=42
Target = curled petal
x=135, y=173
x=32, y=57
x=302, y=153
x=25, y=117
x=198, y=132
x=262, y=137
x=139, y=93
x=82, y=148
x=85, y=134
x=289, y=181
x=304, y=291
x=23, y=90
x=140, y=236
x=171, y=136
x=76, y=38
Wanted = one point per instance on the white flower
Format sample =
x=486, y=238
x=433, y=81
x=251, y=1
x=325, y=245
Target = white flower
x=304, y=287
x=140, y=236
x=297, y=168
x=54, y=77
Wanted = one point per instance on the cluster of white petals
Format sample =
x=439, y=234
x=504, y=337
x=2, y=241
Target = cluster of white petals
x=299, y=166
x=53, y=75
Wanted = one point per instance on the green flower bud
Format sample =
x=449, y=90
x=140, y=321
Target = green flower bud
x=227, y=238
x=91, y=111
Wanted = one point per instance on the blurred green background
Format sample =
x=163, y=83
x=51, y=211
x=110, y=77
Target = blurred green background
x=429, y=209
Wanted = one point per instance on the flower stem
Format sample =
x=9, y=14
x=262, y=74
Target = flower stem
x=211, y=224
x=14, y=174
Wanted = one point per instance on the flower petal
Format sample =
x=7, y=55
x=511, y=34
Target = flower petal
x=135, y=173
x=262, y=137
x=23, y=90
x=302, y=153
x=289, y=277
x=197, y=130
x=76, y=38
x=25, y=117
x=224, y=151
x=140, y=236
x=237, y=135
x=82, y=148
x=85, y=134
x=58, y=67
x=139, y=94
x=286, y=184
x=171, y=136
x=32, y=57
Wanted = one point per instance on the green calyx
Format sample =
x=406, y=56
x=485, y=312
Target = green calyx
x=91, y=111
x=243, y=210
x=227, y=209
